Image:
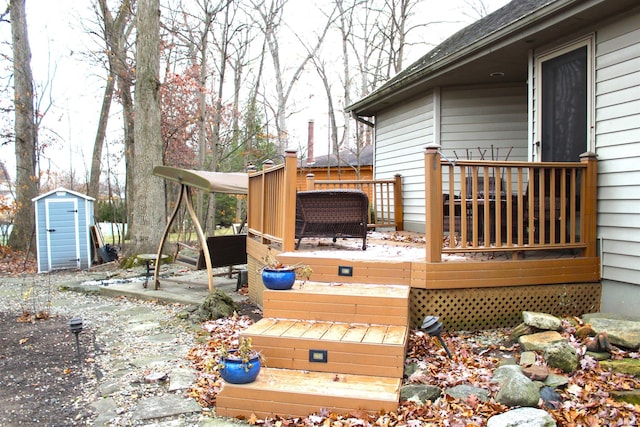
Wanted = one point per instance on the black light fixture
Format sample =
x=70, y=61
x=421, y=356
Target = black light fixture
x=75, y=326
x=432, y=326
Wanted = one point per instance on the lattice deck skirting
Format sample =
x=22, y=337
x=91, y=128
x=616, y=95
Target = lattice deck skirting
x=469, y=309
x=501, y=307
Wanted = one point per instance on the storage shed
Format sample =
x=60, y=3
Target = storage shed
x=63, y=230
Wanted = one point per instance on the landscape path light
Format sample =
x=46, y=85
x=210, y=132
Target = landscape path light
x=75, y=326
x=432, y=326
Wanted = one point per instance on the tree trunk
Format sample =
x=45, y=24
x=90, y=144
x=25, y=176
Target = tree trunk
x=125, y=81
x=114, y=40
x=147, y=207
x=25, y=132
x=124, y=84
x=202, y=107
x=96, y=158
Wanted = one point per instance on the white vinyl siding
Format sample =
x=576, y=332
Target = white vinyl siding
x=476, y=119
x=487, y=123
x=470, y=117
x=617, y=130
x=401, y=136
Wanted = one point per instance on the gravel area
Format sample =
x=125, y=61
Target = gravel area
x=132, y=356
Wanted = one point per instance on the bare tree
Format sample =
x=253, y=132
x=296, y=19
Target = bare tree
x=147, y=204
x=198, y=38
x=222, y=46
x=25, y=132
x=475, y=9
x=394, y=32
x=271, y=19
x=378, y=37
x=195, y=38
x=114, y=36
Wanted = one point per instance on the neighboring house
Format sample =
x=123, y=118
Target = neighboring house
x=6, y=199
x=348, y=165
x=537, y=80
x=5, y=183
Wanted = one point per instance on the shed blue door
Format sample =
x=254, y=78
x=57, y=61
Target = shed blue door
x=62, y=233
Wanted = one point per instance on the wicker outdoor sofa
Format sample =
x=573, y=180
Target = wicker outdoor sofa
x=332, y=213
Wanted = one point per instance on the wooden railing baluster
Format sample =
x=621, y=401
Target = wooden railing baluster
x=505, y=206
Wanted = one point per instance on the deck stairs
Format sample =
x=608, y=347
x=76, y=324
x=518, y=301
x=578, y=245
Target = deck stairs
x=330, y=347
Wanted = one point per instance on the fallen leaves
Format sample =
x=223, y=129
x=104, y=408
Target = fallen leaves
x=586, y=399
x=224, y=331
x=15, y=263
x=28, y=317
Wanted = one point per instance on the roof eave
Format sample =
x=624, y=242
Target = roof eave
x=367, y=106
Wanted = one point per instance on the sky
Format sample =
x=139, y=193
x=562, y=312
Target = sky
x=58, y=43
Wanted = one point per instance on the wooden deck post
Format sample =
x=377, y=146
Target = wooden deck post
x=263, y=186
x=311, y=181
x=397, y=203
x=433, y=203
x=589, y=203
x=289, y=200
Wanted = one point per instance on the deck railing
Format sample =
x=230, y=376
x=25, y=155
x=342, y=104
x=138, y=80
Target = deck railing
x=385, y=197
x=271, y=203
x=509, y=206
x=471, y=206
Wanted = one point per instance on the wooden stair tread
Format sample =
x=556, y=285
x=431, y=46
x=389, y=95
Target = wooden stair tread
x=300, y=393
x=323, y=331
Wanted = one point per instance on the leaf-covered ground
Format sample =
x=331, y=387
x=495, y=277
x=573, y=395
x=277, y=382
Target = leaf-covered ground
x=40, y=378
x=14, y=263
x=586, y=399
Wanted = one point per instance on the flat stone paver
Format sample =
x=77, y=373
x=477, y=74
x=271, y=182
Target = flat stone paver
x=106, y=409
x=164, y=406
x=181, y=379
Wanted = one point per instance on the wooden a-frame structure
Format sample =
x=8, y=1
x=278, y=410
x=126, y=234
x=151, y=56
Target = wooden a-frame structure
x=212, y=182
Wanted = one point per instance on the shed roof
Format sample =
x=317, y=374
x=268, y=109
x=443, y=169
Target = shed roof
x=212, y=182
x=63, y=191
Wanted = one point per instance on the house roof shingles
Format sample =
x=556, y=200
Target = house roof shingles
x=347, y=158
x=472, y=34
x=508, y=14
x=501, y=39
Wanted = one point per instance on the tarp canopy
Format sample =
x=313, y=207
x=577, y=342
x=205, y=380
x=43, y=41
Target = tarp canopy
x=213, y=182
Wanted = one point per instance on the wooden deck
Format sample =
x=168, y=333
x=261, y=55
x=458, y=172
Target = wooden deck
x=525, y=242
x=396, y=259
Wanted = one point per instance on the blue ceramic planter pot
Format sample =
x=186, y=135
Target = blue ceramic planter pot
x=237, y=372
x=278, y=279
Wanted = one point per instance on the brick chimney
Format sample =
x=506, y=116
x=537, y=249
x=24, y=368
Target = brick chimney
x=310, y=157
